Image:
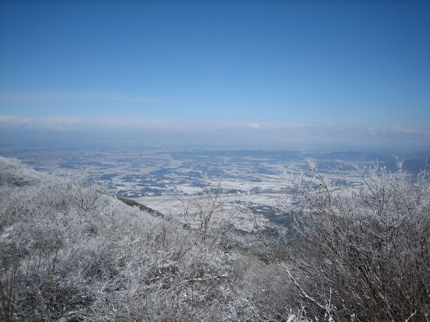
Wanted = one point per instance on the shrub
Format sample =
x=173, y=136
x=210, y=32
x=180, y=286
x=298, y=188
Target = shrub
x=69, y=251
x=366, y=248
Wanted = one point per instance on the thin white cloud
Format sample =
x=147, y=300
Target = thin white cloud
x=56, y=96
x=5, y=118
x=254, y=125
x=401, y=129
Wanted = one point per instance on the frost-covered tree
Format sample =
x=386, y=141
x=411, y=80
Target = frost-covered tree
x=365, y=248
x=14, y=173
x=69, y=251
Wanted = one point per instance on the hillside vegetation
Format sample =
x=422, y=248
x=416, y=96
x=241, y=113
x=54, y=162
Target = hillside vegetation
x=71, y=252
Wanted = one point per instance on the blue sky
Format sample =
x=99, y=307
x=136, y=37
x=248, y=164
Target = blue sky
x=284, y=73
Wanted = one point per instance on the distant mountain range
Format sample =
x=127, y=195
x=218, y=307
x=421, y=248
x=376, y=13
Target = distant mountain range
x=351, y=156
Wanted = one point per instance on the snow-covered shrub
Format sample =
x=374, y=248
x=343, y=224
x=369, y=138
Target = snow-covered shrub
x=70, y=252
x=366, y=248
x=14, y=173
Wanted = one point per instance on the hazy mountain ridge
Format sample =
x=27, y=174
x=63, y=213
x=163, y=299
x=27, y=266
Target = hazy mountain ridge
x=412, y=162
x=351, y=156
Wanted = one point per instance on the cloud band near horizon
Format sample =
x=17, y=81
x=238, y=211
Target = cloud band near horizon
x=212, y=132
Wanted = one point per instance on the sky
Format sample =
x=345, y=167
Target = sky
x=289, y=74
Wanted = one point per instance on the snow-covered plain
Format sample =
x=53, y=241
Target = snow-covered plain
x=169, y=180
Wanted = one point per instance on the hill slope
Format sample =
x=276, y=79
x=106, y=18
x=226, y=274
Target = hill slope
x=70, y=252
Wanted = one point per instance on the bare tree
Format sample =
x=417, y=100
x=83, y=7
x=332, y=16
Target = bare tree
x=210, y=213
x=365, y=248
